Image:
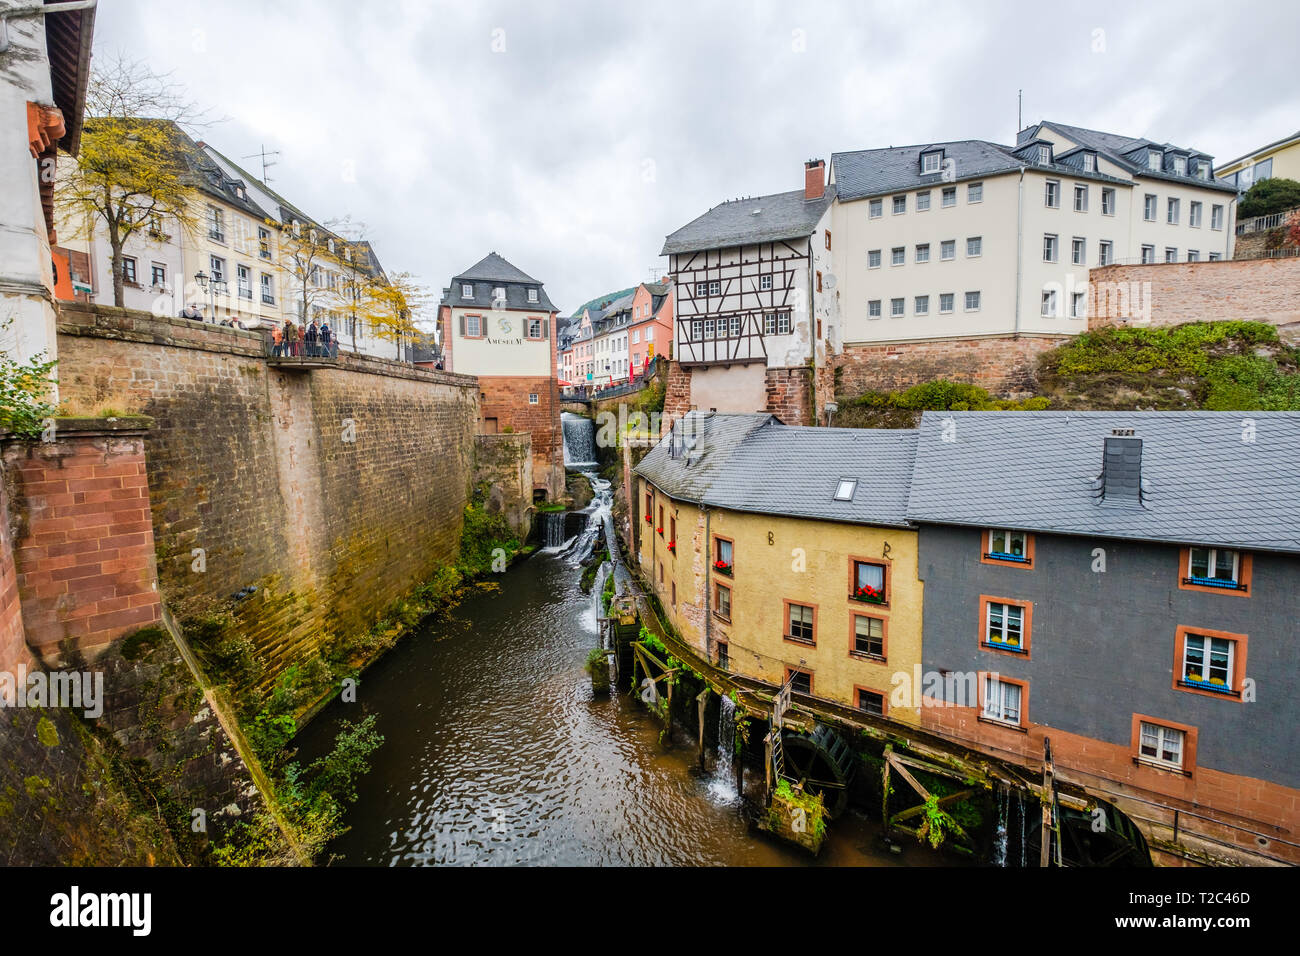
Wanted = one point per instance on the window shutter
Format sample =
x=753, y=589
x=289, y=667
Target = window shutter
x=462, y=326
x=546, y=328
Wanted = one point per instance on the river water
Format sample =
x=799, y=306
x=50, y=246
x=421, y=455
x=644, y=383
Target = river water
x=496, y=753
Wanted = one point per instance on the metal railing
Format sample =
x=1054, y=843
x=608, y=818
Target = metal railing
x=1264, y=223
x=301, y=350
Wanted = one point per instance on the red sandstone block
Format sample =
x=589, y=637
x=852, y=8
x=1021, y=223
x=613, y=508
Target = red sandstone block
x=88, y=532
x=94, y=484
x=116, y=469
x=128, y=617
x=109, y=542
x=143, y=598
x=93, y=557
x=135, y=481
x=39, y=526
x=51, y=537
x=79, y=571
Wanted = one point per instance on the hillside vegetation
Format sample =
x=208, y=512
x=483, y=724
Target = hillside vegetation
x=1217, y=366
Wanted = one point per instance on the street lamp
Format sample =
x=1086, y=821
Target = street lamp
x=201, y=278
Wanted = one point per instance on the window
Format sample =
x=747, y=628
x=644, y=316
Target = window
x=1105, y=252
x=800, y=623
x=948, y=197
x=923, y=199
x=1089, y=162
x=922, y=253
x=1044, y=155
x=897, y=255
x=948, y=249
x=217, y=266
x=722, y=550
x=800, y=681
x=873, y=259
x=1003, y=700
x=216, y=224
x=1172, y=217
x=1080, y=198
x=776, y=323
x=1193, y=255
x=868, y=582
x=715, y=287
x=1217, y=569
x=1108, y=202
x=1078, y=305
x=1006, y=546
x=1078, y=251
x=929, y=163
x=1171, y=254
x=710, y=329
x=1153, y=159
x=945, y=302
x=1263, y=169
x=532, y=295
x=765, y=283
x=532, y=398
x=873, y=309
x=975, y=192
x=157, y=274
x=724, y=658
x=128, y=270
x=974, y=246
x=722, y=601
x=1216, y=217
x=871, y=703
x=472, y=326
x=1049, y=303
x=268, y=289
x=1148, y=254
x=874, y=208
x=896, y=308
x=244, y=280
x=1194, y=214
x=868, y=636
x=1215, y=256
x=1161, y=745
x=263, y=243
x=650, y=334
x=466, y=290
x=972, y=301
x=1052, y=198
x=845, y=488
x=921, y=305
x=1149, y=207
x=899, y=205
x=1210, y=661
x=1050, y=248
x=733, y=326
x=1180, y=165
x=828, y=238
x=1006, y=625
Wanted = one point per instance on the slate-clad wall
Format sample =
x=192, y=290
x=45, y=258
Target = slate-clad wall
x=254, y=465
x=1102, y=649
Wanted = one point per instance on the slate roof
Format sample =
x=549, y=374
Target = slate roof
x=493, y=272
x=867, y=173
x=1035, y=471
x=1116, y=148
x=747, y=221
x=794, y=470
x=755, y=464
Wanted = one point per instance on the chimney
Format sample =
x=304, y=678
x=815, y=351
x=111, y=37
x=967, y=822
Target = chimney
x=814, y=179
x=1121, y=469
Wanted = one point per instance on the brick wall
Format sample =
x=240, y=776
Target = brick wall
x=1263, y=290
x=83, y=544
x=677, y=394
x=505, y=398
x=1003, y=365
x=258, y=468
x=789, y=394
x=13, y=641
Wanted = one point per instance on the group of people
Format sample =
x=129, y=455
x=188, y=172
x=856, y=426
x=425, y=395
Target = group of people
x=310, y=341
x=194, y=312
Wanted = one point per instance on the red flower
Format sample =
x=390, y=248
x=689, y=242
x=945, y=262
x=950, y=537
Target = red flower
x=672, y=545
x=660, y=530
x=647, y=520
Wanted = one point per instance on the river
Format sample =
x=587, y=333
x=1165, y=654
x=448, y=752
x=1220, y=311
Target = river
x=496, y=752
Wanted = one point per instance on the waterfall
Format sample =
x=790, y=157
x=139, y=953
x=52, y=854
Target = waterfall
x=579, y=441
x=1020, y=807
x=1000, y=834
x=553, y=529
x=722, y=783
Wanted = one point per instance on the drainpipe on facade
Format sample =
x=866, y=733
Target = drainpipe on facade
x=1020, y=244
x=708, y=588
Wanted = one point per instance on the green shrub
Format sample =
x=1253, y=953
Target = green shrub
x=1267, y=197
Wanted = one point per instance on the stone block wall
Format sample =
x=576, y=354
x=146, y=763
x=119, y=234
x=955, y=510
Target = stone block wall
x=503, y=472
x=1261, y=290
x=307, y=500
x=1003, y=365
x=82, y=536
x=505, y=398
x=789, y=394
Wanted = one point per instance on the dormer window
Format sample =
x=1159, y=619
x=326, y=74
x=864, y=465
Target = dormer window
x=1203, y=170
x=466, y=290
x=1044, y=155
x=1153, y=159
x=532, y=295
x=930, y=162
x=499, y=293
x=1180, y=165
x=1090, y=162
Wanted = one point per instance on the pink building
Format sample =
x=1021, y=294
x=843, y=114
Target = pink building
x=650, y=331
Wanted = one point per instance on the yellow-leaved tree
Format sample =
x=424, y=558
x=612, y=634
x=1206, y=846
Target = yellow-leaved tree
x=394, y=306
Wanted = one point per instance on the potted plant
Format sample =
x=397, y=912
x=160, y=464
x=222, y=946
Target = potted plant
x=648, y=520
x=722, y=567
x=1194, y=676
x=672, y=546
x=660, y=531
x=867, y=593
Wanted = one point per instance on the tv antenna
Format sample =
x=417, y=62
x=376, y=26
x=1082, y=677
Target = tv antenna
x=267, y=162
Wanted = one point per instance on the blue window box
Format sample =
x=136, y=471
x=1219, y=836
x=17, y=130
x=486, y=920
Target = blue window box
x=1002, y=646
x=1206, y=685
x=1215, y=583
x=999, y=556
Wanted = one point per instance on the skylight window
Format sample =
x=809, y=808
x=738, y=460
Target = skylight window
x=845, y=489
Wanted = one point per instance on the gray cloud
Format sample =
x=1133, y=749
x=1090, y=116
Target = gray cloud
x=600, y=127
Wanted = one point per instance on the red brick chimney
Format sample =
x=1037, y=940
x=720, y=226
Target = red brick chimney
x=814, y=179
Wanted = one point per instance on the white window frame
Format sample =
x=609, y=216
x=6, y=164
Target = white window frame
x=1151, y=250
x=951, y=297
x=947, y=250
x=873, y=309
x=1216, y=217
x=1150, y=204
x=532, y=295
x=765, y=283
x=921, y=254
x=897, y=308
x=1005, y=629
x=979, y=247
x=898, y=256
x=1194, y=214
x=1171, y=253
x=715, y=287
x=467, y=290
x=876, y=254
x=896, y=202
x=923, y=201
x=1105, y=252
x=532, y=398
x=1079, y=251
x=966, y=301
x=1051, y=247
x=1107, y=201
x=1207, y=647
x=974, y=192
x=1080, y=191
x=1079, y=305
x=473, y=326
x=998, y=701
x=921, y=305
x=1052, y=194
x=1212, y=561
x=948, y=197
x=1048, y=307
x=1161, y=736
x=1174, y=208
x=875, y=208
x=930, y=163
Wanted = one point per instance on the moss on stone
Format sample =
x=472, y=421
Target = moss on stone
x=46, y=732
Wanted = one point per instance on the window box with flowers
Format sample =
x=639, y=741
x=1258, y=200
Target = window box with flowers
x=868, y=582
x=722, y=568
x=649, y=520
x=659, y=531
x=722, y=550
x=672, y=547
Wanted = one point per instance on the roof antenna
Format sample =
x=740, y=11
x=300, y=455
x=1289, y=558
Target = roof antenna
x=1020, y=111
x=266, y=163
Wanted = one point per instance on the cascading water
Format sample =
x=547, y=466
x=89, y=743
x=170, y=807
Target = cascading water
x=1000, y=834
x=579, y=441
x=553, y=529
x=722, y=783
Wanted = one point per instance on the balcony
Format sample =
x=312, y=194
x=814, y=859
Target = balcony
x=699, y=341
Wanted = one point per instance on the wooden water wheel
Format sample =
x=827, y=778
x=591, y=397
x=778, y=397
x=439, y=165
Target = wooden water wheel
x=823, y=763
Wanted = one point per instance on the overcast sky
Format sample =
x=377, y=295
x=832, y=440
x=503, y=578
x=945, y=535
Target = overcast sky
x=572, y=137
